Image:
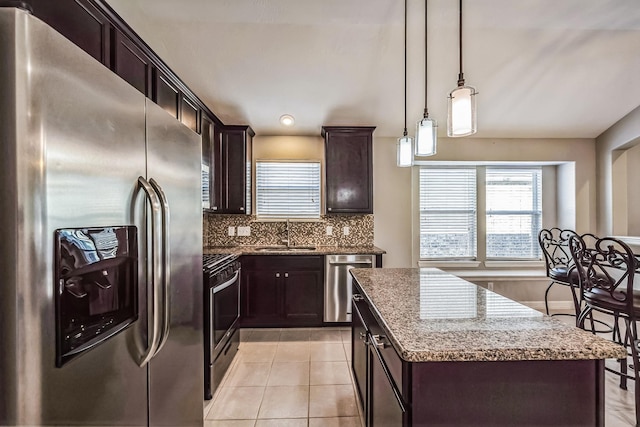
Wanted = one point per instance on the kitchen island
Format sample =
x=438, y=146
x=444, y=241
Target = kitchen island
x=431, y=349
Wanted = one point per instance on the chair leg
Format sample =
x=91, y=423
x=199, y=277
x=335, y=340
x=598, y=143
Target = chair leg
x=628, y=341
x=582, y=317
x=576, y=303
x=546, y=297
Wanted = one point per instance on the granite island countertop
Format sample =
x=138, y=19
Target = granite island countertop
x=282, y=250
x=432, y=316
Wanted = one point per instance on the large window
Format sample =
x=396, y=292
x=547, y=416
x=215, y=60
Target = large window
x=287, y=189
x=492, y=211
x=514, y=212
x=448, y=213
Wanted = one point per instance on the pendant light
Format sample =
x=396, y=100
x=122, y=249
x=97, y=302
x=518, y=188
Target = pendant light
x=427, y=128
x=461, y=117
x=404, y=146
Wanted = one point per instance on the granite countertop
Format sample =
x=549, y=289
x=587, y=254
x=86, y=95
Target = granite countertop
x=282, y=250
x=432, y=316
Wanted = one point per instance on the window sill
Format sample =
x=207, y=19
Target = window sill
x=449, y=264
x=514, y=264
x=511, y=275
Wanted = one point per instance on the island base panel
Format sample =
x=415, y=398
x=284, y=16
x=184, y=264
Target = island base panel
x=513, y=393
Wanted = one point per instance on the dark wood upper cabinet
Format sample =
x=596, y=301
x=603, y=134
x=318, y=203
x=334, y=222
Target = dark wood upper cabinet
x=236, y=163
x=131, y=63
x=217, y=171
x=211, y=164
x=207, y=142
x=189, y=114
x=79, y=21
x=349, y=169
x=165, y=93
x=98, y=30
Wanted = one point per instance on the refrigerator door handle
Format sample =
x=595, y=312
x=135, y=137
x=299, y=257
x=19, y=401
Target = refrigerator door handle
x=153, y=307
x=166, y=263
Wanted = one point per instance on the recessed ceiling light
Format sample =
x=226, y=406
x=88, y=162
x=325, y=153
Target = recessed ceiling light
x=287, y=120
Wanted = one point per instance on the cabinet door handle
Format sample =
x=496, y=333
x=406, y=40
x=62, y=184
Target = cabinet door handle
x=377, y=341
x=241, y=208
x=214, y=208
x=329, y=209
x=286, y=274
x=277, y=274
x=363, y=335
x=358, y=297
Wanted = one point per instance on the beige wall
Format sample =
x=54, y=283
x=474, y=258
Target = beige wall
x=393, y=186
x=633, y=191
x=610, y=146
x=288, y=148
x=393, y=189
x=391, y=204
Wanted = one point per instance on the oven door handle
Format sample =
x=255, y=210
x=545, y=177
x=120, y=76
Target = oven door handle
x=166, y=262
x=153, y=318
x=226, y=284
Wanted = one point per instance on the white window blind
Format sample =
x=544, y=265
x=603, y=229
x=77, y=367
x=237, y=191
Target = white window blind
x=514, y=212
x=448, y=213
x=287, y=189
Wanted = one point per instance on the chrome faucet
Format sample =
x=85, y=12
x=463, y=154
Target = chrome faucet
x=287, y=241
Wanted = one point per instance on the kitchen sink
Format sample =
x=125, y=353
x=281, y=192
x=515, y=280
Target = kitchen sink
x=285, y=248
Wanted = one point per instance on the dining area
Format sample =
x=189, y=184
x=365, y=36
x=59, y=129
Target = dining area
x=601, y=274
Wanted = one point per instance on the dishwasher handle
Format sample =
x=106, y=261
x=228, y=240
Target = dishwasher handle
x=367, y=262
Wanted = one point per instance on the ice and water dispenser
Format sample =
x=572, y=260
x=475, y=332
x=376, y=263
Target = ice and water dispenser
x=95, y=286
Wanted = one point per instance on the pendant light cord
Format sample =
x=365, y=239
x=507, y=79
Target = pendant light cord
x=461, y=75
x=405, y=68
x=426, y=7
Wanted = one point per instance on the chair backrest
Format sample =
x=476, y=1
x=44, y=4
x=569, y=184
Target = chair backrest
x=606, y=268
x=554, y=243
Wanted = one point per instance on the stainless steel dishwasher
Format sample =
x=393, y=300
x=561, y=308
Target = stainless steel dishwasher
x=337, y=284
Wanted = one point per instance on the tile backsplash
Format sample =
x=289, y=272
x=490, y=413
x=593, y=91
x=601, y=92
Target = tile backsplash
x=302, y=233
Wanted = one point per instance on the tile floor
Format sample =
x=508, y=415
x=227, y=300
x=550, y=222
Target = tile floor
x=288, y=378
x=302, y=378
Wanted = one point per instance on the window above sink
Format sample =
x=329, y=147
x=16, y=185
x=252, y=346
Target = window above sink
x=288, y=189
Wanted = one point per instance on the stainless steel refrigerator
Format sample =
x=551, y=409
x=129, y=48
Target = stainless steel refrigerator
x=87, y=159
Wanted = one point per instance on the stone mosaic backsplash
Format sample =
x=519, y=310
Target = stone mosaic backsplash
x=302, y=233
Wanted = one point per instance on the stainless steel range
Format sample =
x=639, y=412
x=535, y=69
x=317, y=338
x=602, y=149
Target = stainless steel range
x=221, y=316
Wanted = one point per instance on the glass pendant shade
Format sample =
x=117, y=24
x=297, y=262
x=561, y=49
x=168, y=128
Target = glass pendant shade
x=461, y=118
x=426, y=137
x=405, y=151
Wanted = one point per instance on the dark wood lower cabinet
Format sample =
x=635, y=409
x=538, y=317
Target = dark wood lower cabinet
x=385, y=404
x=282, y=291
x=397, y=393
x=260, y=297
x=377, y=369
x=303, y=297
x=359, y=354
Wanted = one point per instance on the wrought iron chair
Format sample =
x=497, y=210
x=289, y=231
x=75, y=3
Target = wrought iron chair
x=606, y=272
x=554, y=243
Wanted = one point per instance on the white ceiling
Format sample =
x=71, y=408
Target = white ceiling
x=543, y=68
